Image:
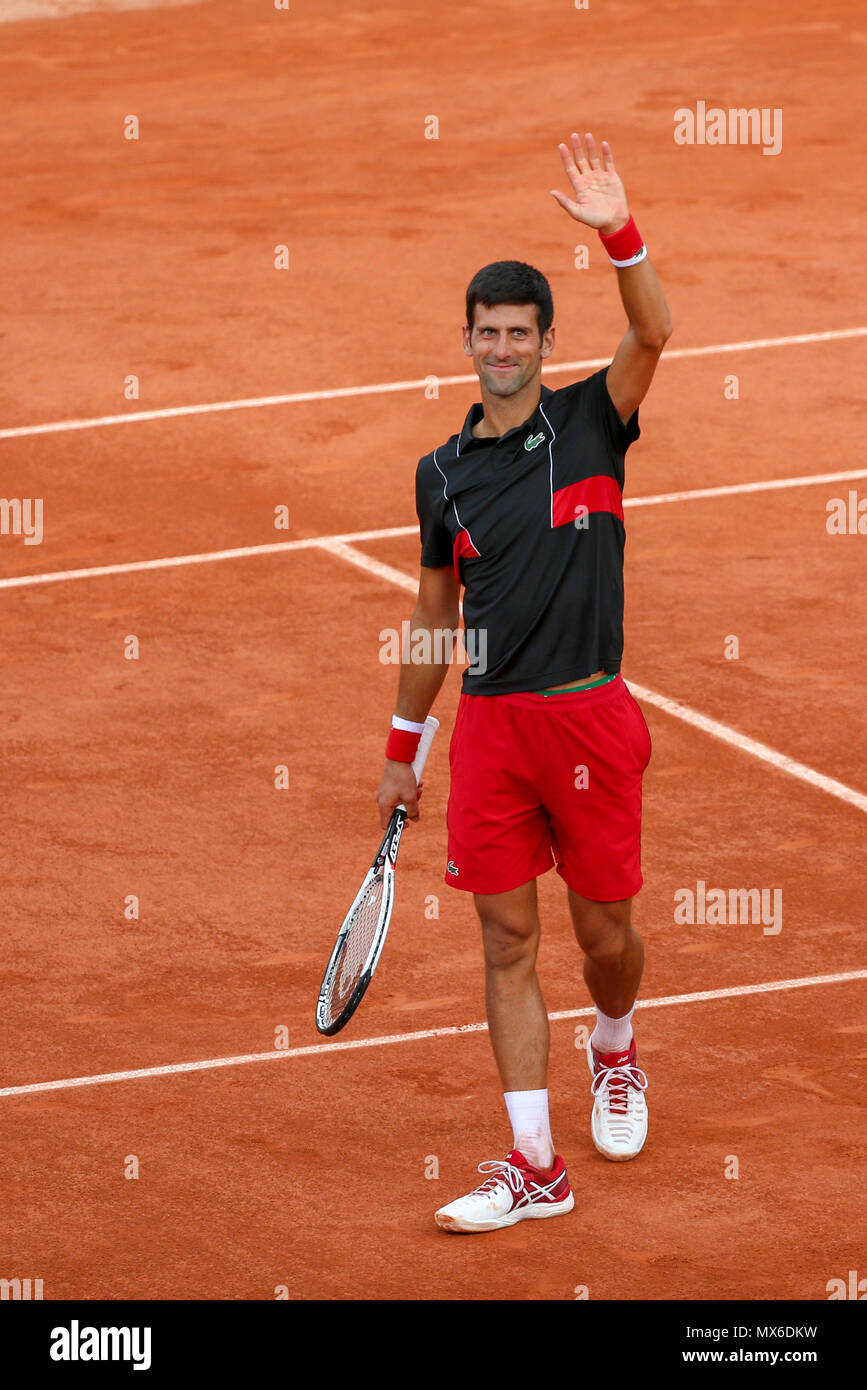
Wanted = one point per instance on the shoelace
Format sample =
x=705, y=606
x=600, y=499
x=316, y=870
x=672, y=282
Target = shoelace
x=501, y=1173
x=618, y=1080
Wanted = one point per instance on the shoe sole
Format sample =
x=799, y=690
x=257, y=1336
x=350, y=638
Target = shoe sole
x=613, y=1156
x=534, y=1213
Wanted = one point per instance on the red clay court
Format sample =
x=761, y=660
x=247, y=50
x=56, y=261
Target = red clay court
x=181, y=1042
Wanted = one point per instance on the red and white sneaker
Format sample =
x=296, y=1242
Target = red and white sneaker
x=513, y=1192
x=619, y=1120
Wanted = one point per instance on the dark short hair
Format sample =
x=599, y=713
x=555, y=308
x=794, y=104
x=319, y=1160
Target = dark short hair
x=511, y=282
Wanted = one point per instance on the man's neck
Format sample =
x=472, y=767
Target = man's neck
x=504, y=413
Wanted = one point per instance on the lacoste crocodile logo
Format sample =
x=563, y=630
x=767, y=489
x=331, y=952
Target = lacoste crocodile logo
x=534, y=441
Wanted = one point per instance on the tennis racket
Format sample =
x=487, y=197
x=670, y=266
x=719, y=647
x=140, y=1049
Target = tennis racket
x=361, y=938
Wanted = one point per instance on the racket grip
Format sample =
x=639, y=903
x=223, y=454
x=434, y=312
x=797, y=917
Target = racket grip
x=430, y=727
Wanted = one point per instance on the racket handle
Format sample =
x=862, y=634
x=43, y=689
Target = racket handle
x=431, y=724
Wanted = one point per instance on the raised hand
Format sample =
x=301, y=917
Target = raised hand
x=598, y=196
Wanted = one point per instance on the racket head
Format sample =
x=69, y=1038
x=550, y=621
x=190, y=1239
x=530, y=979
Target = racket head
x=360, y=940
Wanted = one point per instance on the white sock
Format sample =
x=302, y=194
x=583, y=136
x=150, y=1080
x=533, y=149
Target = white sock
x=612, y=1034
x=531, y=1126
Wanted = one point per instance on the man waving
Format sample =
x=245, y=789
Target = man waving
x=524, y=507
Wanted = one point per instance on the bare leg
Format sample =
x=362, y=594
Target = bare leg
x=613, y=952
x=516, y=1012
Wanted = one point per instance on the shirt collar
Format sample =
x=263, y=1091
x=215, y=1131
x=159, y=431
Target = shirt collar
x=474, y=415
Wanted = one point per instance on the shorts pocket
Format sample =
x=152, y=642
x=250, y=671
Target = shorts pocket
x=455, y=738
x=644, y=746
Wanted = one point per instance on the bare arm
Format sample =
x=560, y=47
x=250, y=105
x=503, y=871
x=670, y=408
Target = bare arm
x=599, y=200
x=436, y=608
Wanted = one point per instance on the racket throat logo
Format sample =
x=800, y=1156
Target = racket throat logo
x=395, y=839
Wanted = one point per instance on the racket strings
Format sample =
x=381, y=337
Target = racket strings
x=359, y=940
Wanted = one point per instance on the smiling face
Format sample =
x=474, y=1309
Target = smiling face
x=506, y=346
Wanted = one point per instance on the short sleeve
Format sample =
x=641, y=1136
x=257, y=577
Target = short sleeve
x=436, y=543
x=591, y=399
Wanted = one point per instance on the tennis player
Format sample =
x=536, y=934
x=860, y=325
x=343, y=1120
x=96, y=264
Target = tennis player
x=524, y=507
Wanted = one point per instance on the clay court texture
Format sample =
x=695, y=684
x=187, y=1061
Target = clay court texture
x=173, y=385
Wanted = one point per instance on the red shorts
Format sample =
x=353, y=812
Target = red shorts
x=539, y=780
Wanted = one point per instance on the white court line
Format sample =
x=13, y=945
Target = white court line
x=211, y=1063
x=752, y=746
x=370, y=565
x=208, y=557
x=780, y=761
x=732, y=489
x=14, y=10
x=340, y=547
x=386, y=387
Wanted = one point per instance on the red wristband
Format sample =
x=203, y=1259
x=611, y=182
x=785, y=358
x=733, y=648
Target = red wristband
x=625, y=246
x=402, y=745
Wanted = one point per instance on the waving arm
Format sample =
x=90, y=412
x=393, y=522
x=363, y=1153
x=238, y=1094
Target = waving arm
x=599, y=200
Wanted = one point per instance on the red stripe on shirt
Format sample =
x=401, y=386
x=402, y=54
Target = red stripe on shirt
x=597, y=494
x=462, y=546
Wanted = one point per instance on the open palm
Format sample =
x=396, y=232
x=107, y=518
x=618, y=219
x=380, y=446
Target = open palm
x=598, y=196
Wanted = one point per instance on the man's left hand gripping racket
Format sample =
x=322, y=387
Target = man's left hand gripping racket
x=361, y=938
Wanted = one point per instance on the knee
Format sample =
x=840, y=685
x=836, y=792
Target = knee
x=607, y=949
x=509, y=944
x=604, y=932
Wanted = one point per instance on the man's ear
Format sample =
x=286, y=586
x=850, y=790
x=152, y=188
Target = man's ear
x=548, y=338
x=465, y=333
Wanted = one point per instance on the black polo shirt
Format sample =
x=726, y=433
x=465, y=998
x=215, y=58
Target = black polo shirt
x=533, y=524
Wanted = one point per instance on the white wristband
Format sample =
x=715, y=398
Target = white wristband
x=633, y=260
x=408, y=724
